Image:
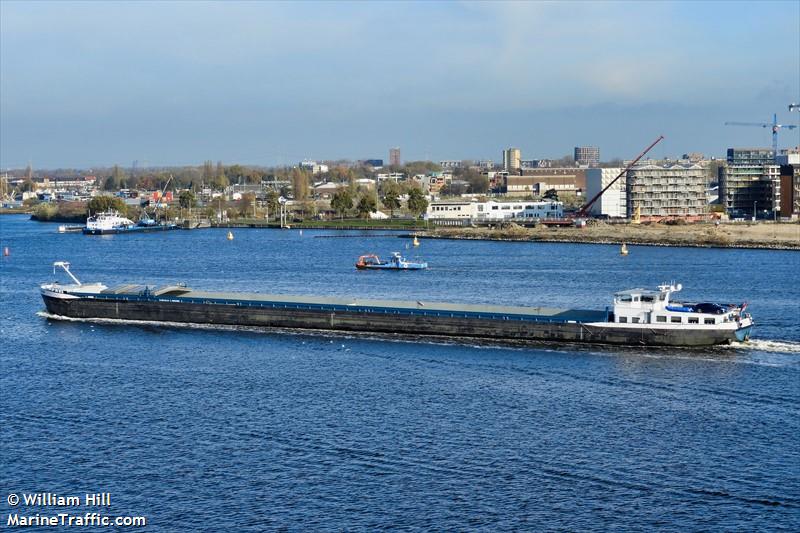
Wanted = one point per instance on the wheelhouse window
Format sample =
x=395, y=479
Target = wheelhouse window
x=649, y=299
x=623, y=319
x=675, y=319
x=625, y=298
x=709, y=321
x=694, y=320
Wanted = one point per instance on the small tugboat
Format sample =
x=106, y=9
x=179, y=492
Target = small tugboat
x=146, y=221
x=396, y=262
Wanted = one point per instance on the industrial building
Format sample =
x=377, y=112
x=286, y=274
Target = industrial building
x=537, y=181
x=587, y=156
x=749, y=183
x=613, y=202
x=492, y=211
x=666, y=190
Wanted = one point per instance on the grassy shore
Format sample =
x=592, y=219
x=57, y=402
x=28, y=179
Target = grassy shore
x=348, y=223
x=738, y=235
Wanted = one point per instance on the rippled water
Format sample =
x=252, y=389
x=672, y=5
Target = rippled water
x=221, y=429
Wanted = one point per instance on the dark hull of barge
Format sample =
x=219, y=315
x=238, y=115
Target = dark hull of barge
x=364, y=319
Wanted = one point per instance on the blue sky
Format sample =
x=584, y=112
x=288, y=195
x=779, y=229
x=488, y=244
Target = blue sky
x=96, y=83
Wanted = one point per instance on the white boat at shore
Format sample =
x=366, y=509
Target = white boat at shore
x=107, y=222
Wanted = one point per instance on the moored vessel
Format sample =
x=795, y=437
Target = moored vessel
x=111, y=222
x=107, y=222
x=639, y=317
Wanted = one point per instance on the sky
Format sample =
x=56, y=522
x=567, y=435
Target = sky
x=87, y=84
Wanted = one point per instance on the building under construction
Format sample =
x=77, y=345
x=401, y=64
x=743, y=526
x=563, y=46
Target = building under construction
x=749, y=183
x=666, y=190
x=614, y=198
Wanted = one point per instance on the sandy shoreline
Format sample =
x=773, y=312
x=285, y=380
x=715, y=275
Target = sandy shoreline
x=784, y=236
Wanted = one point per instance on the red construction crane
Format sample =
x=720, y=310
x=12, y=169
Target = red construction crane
x=583, y=210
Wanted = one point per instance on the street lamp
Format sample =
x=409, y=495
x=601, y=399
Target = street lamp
x=754, y=210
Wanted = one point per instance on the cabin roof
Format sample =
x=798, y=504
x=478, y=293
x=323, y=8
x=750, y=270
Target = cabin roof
x=630, y=292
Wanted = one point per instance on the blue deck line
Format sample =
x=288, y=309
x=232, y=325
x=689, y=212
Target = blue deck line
x=576, y=315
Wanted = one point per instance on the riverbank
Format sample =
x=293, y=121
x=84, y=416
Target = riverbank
x=343, y=224
x=783, y=236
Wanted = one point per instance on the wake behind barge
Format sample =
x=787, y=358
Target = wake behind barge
x=639, y=317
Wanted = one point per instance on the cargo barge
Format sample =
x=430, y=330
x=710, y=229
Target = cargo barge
x=638, y=317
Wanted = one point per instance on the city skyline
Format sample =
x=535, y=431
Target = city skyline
x=91, y=84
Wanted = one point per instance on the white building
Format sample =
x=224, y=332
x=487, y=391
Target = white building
x=612, y=203
x=365, y=182
x=314, y=167
x=789, y=157
x=393, y=176
x=327, y=190
x=494, y=211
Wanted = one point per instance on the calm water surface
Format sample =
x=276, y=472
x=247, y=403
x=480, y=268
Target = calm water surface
x=214, y=430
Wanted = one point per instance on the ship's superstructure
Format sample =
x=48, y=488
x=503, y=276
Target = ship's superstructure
x=107, y=222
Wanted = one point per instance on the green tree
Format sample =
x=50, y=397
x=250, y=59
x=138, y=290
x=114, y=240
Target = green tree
x=366, y=206
x=417, y=203
x=342, y=202
x=566, y=161
x=299, y=184
x=391, y=197
x=110, y=184
x=104, y=202
x=119, y=177
x=220, y=180
x=454, y=188
x=187, y=199
x=341, y=174
x=420, y=167
x=478, y=183
x=208, y=171
x=550, y=194
x=245, y=205
x=272, y=203
x=45, y=211
x=235, y=173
